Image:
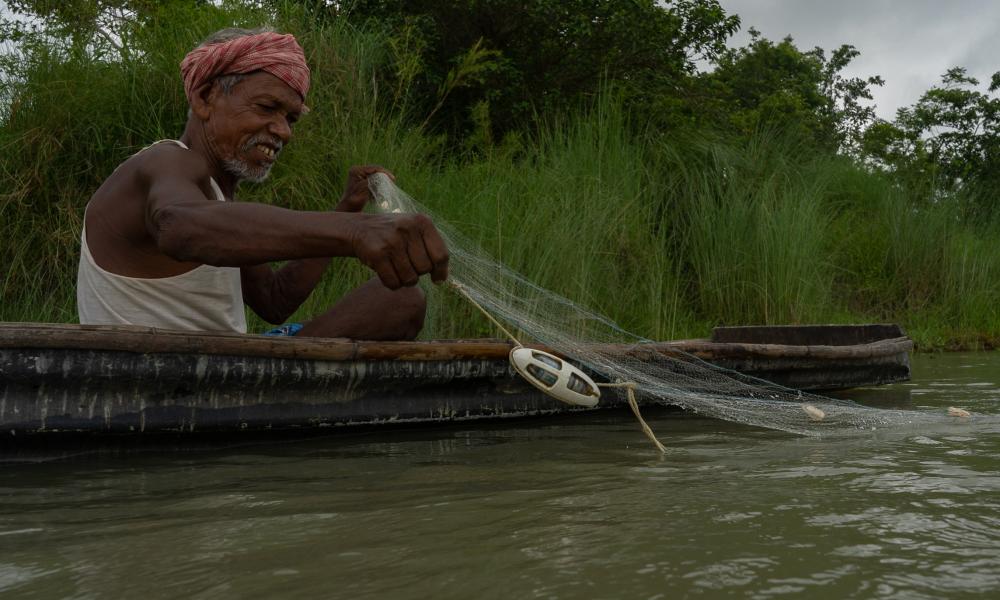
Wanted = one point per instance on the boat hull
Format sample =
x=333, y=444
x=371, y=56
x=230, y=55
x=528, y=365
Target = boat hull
x=65, y=378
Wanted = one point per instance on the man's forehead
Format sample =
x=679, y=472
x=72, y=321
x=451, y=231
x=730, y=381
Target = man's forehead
x=261, y=84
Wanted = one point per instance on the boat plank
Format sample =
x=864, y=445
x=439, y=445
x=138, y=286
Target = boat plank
x=808, y=335
x=152, y=340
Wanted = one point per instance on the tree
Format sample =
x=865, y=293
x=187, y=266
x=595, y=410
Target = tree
x=947, y=142
x=544, y=55
x=767, y=84
x=100, y=25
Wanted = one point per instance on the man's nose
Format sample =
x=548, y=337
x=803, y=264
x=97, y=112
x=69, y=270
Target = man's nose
x=281, y=129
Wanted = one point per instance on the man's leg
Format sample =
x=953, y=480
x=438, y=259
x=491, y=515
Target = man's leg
x=372, y=312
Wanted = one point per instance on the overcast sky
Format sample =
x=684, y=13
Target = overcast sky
x=910, y=43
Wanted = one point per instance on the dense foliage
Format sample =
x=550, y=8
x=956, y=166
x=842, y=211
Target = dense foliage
x=511, y=61
x=712, y=184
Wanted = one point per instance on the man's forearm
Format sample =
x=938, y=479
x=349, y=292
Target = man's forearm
x=295, y=281
x=292, y=284
x=240, y=234
x=397, y=247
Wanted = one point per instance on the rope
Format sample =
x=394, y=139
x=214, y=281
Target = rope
x=628, y=385
x=630, y=388
x=461, y=290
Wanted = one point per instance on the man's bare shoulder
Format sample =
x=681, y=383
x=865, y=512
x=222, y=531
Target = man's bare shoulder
x=159, y=175
x=166, y=160
x=117, y=217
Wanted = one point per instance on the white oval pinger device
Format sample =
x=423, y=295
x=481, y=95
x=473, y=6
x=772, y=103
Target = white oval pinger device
x=555, y=377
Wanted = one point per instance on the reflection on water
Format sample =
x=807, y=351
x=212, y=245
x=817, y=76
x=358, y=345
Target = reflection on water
x=556, y=508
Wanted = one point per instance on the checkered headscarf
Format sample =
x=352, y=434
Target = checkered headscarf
x=275, y=53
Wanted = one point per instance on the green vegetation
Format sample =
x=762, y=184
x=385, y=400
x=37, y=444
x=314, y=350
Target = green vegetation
x=612, y=172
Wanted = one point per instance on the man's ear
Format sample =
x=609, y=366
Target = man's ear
x=202, y=100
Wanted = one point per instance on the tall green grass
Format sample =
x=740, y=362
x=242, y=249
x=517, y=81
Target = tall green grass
x=755, y=230
x=667, y=233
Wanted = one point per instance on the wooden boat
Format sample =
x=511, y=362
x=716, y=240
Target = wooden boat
x=71, y=378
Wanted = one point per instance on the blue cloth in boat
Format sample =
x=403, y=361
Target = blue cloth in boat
x=288, y=329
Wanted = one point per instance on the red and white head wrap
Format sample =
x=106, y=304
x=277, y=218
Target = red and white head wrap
x=274, y=53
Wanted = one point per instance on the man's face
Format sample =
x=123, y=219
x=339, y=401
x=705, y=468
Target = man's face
x=249, y=126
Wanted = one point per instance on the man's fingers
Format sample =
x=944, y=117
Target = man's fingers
x=440, y=272
x=437, y=252
x=418, y=255
x=357, y=183
x=372, y=169
x=387, y=274
x=401, y=248
x=404, y=269
x=365, y=171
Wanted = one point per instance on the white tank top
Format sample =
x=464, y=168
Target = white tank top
x=206, y=298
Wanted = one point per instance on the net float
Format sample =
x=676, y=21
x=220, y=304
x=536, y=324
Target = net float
x=555, y=377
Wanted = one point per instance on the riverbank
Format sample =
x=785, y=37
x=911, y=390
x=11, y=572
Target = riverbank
x=667, y=232
x=970, y=343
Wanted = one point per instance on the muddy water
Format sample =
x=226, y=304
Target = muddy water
x=558, y=508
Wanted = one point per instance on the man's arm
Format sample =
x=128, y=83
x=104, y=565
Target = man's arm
x=275, y=295
x=188, y=227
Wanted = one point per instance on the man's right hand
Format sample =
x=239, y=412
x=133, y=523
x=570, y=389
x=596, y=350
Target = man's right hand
x=400, y=248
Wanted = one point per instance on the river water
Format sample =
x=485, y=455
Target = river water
x=578, y=507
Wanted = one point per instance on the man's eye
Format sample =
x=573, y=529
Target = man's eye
x=267, y=107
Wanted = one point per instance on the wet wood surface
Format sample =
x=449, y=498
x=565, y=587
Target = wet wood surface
x=152, y=340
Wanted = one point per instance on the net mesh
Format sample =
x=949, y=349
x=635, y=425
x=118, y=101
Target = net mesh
x=665, y=375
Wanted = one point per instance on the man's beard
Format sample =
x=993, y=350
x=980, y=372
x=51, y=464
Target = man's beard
x=244, y=171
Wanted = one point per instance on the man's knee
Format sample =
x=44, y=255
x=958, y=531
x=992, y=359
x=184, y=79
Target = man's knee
x=411, y=302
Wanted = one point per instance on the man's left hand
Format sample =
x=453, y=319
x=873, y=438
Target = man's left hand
x=356, y=194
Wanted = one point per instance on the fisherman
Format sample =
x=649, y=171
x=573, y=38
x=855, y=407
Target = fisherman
x=166, y=244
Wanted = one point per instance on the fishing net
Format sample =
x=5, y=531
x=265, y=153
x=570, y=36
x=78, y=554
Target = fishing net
x=611, y=354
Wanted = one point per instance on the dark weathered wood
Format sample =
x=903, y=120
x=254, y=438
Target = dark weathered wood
x=112, y=391
x=150, y=340
x=57, y=378
x=808, y=335
x=710, y=350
